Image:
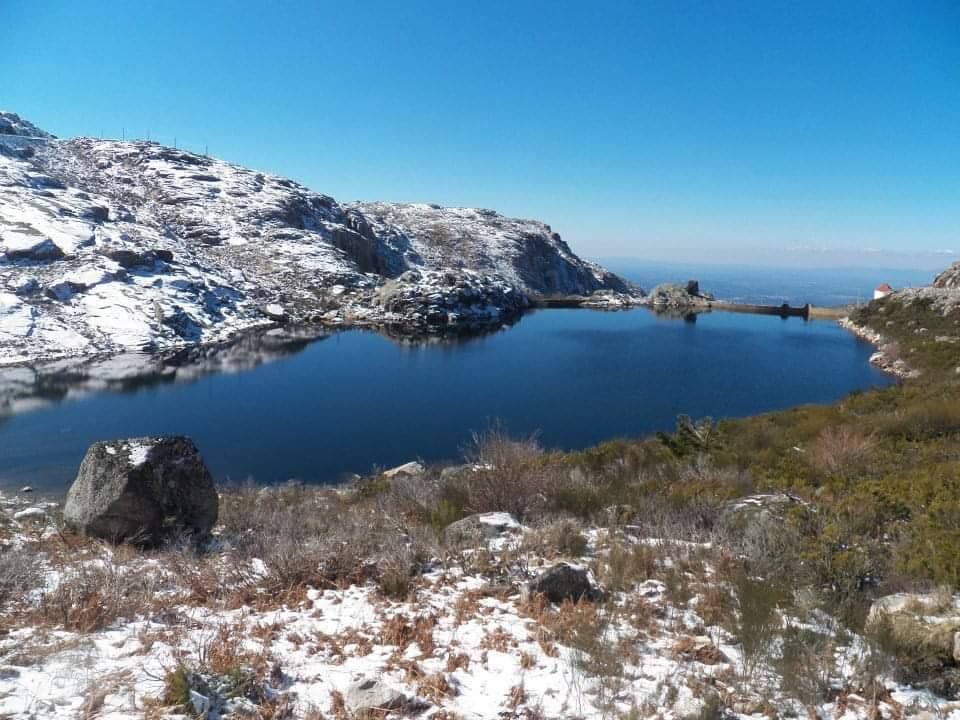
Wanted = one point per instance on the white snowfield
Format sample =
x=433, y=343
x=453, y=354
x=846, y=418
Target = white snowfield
x=108, y=246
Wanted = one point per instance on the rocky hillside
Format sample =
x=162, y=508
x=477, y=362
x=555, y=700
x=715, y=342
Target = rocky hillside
x=109, y=245
x=949, y=279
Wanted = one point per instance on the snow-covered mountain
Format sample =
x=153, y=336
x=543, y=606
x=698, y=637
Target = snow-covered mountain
x=108, y=245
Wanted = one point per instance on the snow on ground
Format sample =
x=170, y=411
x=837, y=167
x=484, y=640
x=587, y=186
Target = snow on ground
x=461, y=646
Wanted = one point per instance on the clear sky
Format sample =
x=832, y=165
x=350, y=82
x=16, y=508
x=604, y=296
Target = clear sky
x=799, y=132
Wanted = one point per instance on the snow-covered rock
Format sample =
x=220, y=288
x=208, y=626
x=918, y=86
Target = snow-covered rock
x=410, y=469
x=113, y=246
x=371, y=695
x=480, y=527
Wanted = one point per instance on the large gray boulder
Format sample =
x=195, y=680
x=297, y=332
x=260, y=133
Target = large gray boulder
x=143, y=490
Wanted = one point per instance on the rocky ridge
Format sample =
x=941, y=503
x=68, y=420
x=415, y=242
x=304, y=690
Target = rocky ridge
x=109, y=246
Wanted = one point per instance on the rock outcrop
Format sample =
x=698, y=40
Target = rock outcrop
x=923, y=632
x=144, y=490
x=949, y=279
x=672, y=296
x=109, y=246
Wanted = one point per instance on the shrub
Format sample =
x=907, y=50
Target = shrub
x=508, y=475
x=807, y=665
x=91, y=596
x=757, y=623
x=624, y=566
x=19, y=573
x=691, y=438
x=563, y=537
x=840, y=451
x=925, y=420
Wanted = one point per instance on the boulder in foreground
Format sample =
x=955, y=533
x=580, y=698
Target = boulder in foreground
x=145, y=490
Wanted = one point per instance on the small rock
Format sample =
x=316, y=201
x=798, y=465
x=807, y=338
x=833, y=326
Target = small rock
x=201, y=703
x=564, y=581
x=275, y=312
x=28, y=286
x=369, y=695
x=410, y=469
x=30, y=513
x=26, y=489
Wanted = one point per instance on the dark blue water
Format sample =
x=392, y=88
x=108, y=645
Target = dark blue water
x=358, y=400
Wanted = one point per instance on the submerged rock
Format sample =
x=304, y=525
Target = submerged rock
x=143, y=490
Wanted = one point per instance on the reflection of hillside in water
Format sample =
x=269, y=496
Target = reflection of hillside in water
x=31, y=387
x=26, y=388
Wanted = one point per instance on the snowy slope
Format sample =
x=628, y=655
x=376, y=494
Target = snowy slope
x=108, y=246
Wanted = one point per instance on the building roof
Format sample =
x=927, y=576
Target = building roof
x=884, y=288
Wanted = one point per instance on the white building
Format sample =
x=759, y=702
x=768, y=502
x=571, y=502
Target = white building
x=882, y=291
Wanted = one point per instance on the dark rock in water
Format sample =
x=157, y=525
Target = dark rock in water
x=693, y=287
x=566, y=582
x=142, y=489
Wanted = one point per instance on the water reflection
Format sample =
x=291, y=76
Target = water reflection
x=32, y=387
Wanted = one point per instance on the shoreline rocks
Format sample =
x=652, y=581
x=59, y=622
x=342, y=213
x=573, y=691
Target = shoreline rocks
x=885, y=357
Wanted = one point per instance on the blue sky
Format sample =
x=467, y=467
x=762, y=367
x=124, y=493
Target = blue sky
x=784, y=132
